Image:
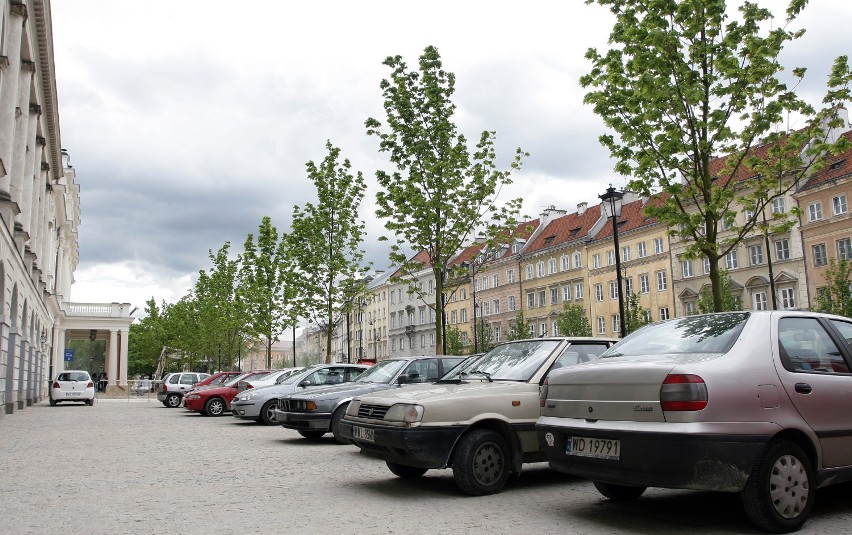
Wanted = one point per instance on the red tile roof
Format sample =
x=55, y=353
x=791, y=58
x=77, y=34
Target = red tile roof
x=632, y=217
x=568, y=228
x=837, y=167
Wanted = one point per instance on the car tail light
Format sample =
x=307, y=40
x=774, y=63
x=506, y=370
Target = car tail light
x=165, y=387
x=55, y=384
x=542, y=393
x=90, y=385
x=683, y=392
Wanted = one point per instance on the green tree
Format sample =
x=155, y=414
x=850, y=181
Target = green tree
x=484, y=336
x=520, y=328
x=326, y=242
x=454, y=341
x=730, y=300
x=683, y=83
x=266, y=290
x=440, y=195
x=835, y=297
x=636, y=315
x=572, y=321
x=147, y=339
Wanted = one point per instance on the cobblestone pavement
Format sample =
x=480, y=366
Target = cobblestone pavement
x=137, y=467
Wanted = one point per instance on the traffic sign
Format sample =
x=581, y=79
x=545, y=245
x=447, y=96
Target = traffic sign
x=69, y=355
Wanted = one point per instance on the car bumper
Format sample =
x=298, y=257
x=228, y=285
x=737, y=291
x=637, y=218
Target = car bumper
x=245, y=411
x=195, y=405
x=79, y=395
x=676, y=458
x=303, y=421
x=424, y=447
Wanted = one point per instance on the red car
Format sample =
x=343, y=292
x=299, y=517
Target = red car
x=217, y=379
x=216, y=401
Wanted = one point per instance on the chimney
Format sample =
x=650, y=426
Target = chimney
x=581, y=208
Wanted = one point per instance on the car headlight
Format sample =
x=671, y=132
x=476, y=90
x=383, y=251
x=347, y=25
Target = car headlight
x=405, y=412
x=354, y=405
x=193, y=396
x=245, y=396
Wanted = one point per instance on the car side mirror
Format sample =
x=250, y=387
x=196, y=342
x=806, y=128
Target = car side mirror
x=403, y=379
x=305, y=383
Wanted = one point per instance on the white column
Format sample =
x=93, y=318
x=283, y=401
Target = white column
x=123, y=360
x=112, y=373
x=9, y=95
x=58, y=350
x=22, y=129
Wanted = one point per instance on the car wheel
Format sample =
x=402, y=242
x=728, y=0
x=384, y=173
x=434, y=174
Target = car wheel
x=481, y=462
x=405, y=471
x=172, y=401
x=266, y=412
x=90, y=402
x=53, y=402
x=335, y=425
x=619, y=493
x=312, y=435
x=779, y=494
x=214, y=407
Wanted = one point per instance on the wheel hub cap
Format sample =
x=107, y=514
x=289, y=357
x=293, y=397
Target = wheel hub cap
x=488, y=464
x=788, y=486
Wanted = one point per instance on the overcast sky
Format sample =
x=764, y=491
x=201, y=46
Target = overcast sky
x=188, y=122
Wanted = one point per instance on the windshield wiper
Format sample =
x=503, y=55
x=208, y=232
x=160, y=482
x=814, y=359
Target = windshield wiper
x=480, y=372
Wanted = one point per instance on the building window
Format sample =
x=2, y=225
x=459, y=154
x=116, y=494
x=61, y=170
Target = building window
x=566, y=293
x=820, y=255
x=838, y=204
x=601, y=325
x=625, y=253
x=554, y=296
x=511, y=303
x=596, y=261
x=463, y=315
x=552, y=266
x=496, y=333
x=495, y=280
x=510, y=276
x=755, y=254
x=687, y=268
x=555, y=328
x=664, y=313
x=731, y=260
x=422, y=340
x=531, y=300
x=463, y=293
x=610, y=258
x=658, y=245
x=578, y=260
x=662, y=283
x=778, y=205
x=542, y=329
x=566, y=263
x=648, y=318
x=599, y=292
x=628, y=286
x=782, y=249
x=454, y=317
x=532, y=330
x=788, y=299
x=643, y=252
x=815, y=211
x=706, y=266
x=689, y=307
x=486, y=308
x=541, y=298
x=616, y=323
x=496, y=306
x=393, y=319
x=613, y=290
x=422, y=316
x=578, y=290
x=464, y=338
x=644, y=285
x=393, y=344
x=759, y=301
x=844, y=249
x=540, y=266
x=529, y=271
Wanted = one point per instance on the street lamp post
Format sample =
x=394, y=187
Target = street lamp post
x=612, y=201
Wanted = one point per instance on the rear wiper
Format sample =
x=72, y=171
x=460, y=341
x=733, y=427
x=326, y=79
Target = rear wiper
x=480, y=372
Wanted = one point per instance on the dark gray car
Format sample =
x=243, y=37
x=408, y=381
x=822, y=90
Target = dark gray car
x=320, y=411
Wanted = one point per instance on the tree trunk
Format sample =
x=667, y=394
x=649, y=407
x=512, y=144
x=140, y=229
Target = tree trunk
x=439, y=312
x=716, y=284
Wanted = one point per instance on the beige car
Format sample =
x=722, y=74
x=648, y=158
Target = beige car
x=751, y=402
x=479, y=419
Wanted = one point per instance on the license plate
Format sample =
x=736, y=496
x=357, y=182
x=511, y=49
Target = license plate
x=598, y=448
x=75, y=394
x=362, y=433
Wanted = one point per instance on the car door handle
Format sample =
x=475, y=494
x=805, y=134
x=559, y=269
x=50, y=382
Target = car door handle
x=803, y=388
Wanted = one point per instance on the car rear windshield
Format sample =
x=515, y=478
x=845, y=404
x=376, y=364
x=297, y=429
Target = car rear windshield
x=514, y=361
x=73, y=376
x=711, y=333
x=383, y=372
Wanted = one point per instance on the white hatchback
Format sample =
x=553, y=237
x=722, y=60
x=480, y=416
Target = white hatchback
x=72, y=385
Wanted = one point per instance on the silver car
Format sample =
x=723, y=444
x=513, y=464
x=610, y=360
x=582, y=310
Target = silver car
x=319, y=411
x=749, y=402
x=259, y=403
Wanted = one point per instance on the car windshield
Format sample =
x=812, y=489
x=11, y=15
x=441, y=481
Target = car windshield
x=711, y=333
x=382, y=372
x=233, y=381
x=290, y=377
x=514, y=361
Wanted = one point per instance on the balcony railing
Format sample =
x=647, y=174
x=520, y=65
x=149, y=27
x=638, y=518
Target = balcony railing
x=112, y=310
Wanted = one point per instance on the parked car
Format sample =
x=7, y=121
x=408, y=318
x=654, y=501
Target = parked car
x=72, y=385
x=259, y=403
x=266, y=380
x=320, y=411
x=216, y=379
x=480, y=422
x=141, y=387
x=175, y=385
x=749, y=402
x=216, y=401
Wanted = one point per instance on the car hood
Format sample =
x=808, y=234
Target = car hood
x=271, y=390
x=426, y=393
x=344, y=390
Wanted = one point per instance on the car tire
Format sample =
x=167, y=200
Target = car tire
x=312, y=435
x=481, y=462
x=214, y=407
x=335, y=424
x=779, y=494
x=90, y=402
x=172, y=401
x=405, y=471
x=53, y=402
x=619, y=493
x=265, y=417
